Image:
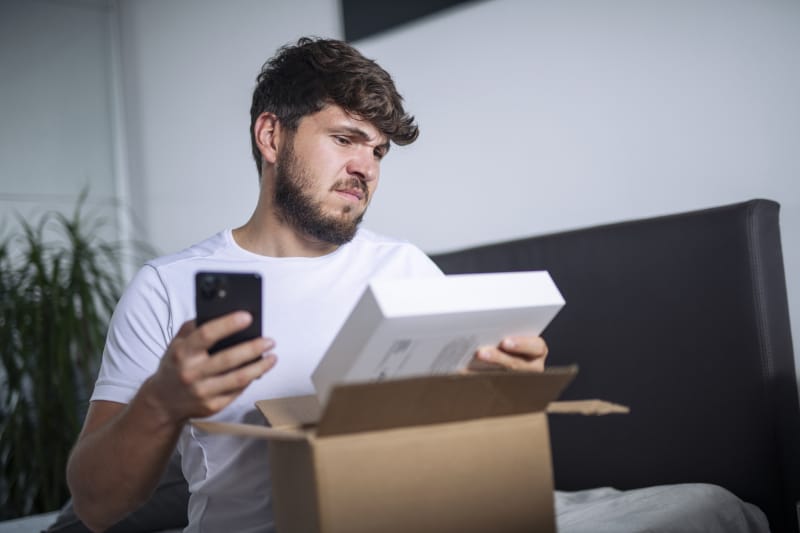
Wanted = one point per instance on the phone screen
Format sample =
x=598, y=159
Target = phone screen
x=220, y=293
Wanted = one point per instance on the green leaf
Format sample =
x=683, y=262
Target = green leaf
x=59, y=283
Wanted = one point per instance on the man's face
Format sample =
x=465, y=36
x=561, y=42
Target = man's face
x=326, y=173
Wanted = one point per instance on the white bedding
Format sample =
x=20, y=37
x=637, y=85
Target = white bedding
x=661, y=509
x=685, y=508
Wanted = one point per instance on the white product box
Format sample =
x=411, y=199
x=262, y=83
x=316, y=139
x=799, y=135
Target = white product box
x=418, y=327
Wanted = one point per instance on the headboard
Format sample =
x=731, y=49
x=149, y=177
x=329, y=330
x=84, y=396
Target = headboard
x=684, y=318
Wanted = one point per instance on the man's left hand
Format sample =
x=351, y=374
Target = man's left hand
x=513, y=353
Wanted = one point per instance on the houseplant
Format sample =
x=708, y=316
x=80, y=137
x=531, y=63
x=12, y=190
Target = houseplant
x=59, y=283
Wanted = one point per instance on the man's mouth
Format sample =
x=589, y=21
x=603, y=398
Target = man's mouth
x=351, y=193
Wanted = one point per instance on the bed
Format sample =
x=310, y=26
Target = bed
x=684, y=319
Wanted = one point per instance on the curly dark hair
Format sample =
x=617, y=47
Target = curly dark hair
x=303, y=78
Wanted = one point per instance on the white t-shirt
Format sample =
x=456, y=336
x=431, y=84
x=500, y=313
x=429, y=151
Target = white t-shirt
x=305, y=302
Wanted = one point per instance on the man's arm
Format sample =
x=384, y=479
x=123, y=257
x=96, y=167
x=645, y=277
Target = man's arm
x=123, y=449
x=117, y=461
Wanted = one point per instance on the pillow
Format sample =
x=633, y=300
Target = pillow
x=166, y=508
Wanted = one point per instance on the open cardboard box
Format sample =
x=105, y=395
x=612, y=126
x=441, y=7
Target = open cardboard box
x=445, y=453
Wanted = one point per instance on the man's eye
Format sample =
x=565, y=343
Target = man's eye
x=341, y=140
x=379, y=154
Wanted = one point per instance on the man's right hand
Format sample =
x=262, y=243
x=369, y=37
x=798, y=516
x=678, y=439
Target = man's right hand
x=189, y=383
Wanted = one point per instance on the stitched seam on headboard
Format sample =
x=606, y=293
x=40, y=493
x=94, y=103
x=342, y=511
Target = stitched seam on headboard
x=757, y=277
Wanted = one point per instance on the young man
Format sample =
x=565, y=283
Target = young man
x=322, y=119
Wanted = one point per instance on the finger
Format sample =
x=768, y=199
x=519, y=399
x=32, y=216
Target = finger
x=237, y=355
x=528, y=346
x=479, y=365
x=494, y=356
x=217, y=329
x=215, y=404
x=235, y=381
x=186, y=328
x=218, y=403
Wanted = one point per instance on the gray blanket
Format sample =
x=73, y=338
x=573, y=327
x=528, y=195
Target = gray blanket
x=687, y=508
x=662, y=509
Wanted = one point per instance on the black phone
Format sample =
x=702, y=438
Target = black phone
x=220, y=293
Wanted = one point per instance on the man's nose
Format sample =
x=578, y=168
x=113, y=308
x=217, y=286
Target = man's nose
x=364, y=165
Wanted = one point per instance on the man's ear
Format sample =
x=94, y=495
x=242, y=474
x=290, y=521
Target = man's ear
x=267, y=132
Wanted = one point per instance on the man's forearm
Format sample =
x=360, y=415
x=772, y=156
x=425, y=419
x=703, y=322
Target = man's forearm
x=119, y=459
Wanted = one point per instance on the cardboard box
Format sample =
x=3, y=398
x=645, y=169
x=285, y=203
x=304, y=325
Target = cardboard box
x=417, y=327
x=456, y=453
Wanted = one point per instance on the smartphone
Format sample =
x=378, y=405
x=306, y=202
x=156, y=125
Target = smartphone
x=220, y=293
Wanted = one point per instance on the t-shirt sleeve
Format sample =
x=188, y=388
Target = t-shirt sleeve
x=138, y=334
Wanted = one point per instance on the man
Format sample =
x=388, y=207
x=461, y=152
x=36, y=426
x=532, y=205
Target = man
x=322, y=119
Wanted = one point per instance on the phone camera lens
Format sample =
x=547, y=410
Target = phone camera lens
x=209, y=285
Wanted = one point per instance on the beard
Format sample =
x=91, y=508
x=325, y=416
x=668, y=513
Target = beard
x=297, y=207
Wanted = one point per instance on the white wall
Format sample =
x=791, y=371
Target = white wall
x=541, y=116
x=536, y=116
x=189, y=68
x=56, y=120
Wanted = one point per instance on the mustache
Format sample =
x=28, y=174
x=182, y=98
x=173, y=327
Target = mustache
x=352, y=183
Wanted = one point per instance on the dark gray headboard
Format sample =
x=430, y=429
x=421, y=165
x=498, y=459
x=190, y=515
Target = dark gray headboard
x=683, y=318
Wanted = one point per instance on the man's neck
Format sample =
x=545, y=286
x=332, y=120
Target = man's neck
x=269, y=236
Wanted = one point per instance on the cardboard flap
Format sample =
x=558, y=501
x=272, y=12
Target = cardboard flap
x=248, y=430
x=291, y=412
x=587, y=407
x=439, y=399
